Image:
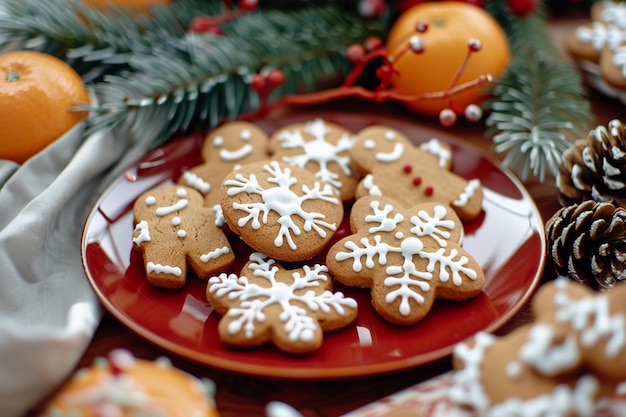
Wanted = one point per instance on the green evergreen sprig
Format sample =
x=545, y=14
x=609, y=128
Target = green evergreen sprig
x=538, y=112
x=540, y=105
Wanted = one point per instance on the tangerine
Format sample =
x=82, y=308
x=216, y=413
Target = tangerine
x=36, y=92
x=450, y=28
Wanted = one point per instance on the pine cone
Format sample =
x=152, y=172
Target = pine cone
x=595, y=169
x=587, y=242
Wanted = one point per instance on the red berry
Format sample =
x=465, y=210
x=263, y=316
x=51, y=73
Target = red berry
x=257, y=83
x=373, y=42
x=447, y=117
x=275, y=78
x=474, y=44
x=522, y=8
x=355, y=52
x=384, y=72
x=248, y=5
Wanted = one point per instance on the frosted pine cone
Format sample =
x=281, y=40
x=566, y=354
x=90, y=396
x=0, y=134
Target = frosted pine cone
x=587, y=242
x=595, y=169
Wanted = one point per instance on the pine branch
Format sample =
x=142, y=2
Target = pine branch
x=540, y=105
x=538, y=111
x=204, y=79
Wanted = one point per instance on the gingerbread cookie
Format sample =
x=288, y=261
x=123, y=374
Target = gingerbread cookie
x=407, y=257
x=392, y=166
x=320, y=147
x=225, y=149
x=281, y=210
x=174, y=230
x=565, y=363
x=267, y=303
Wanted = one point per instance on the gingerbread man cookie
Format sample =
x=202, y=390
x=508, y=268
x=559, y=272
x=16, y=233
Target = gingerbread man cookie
x=320, y=147
x=225, y=149
x=394, y=167
x=291, y=308
x=174, y=230
x=407, y=257
x=562, y=364
x=281, y=210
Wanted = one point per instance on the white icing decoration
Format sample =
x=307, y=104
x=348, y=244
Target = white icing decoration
x=196, y=182
x=390, y=135
x=181, y=233
x=206, y=257
x=369, y=144
x=176, y=221
x=394, y=155
x=219, y=215
x=468, y=193
x=163, y=269
x=434, y=147
x=237, y=154
x=319, y=151
x=601, y=36
x=368, y=183
x=245, y=134
x=591, y=323
x=218, y=141
x=613, y=13
x=144, y=233
x=254, y=299
x=150, y=200
x=166, y=210
x=404, y=277
x=283, y=201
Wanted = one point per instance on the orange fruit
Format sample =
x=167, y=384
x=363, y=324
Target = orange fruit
x=450, y=26
x=36, y=92
x=134, y=5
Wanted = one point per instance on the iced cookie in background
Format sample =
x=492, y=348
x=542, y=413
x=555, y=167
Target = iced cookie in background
x=564, y=363
x=175, y=231
x=267, y=303
x=281, y=210
x=407, y=257
x=392, y=166
x=599, y=45
x=225, y=149
x=321, y=147
x=121, y=385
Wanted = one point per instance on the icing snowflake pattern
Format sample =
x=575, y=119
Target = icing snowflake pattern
x=417, y=250
x=319, y=150
x=282, y=200
x=301, y=296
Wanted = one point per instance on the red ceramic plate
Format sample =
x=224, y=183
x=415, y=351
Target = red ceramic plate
x=507, y=240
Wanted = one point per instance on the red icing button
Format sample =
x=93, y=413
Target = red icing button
x=407, y=168
x=429, y=190
x=417, y=180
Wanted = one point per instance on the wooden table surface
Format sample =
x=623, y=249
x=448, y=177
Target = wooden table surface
x=241, y=395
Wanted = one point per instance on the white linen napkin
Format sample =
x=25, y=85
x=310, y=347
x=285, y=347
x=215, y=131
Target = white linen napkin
x=48, y=312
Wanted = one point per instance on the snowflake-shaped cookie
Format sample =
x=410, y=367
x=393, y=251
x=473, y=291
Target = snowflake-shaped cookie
x=175, y=231
x=321, y=147
x=268, y=303
x=392, y=166
x=562, y=364
x=281, y=210
x=407, y=257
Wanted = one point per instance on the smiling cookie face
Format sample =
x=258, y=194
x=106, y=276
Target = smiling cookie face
x=174, y=231
x=392, y=166
x=225, y=149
